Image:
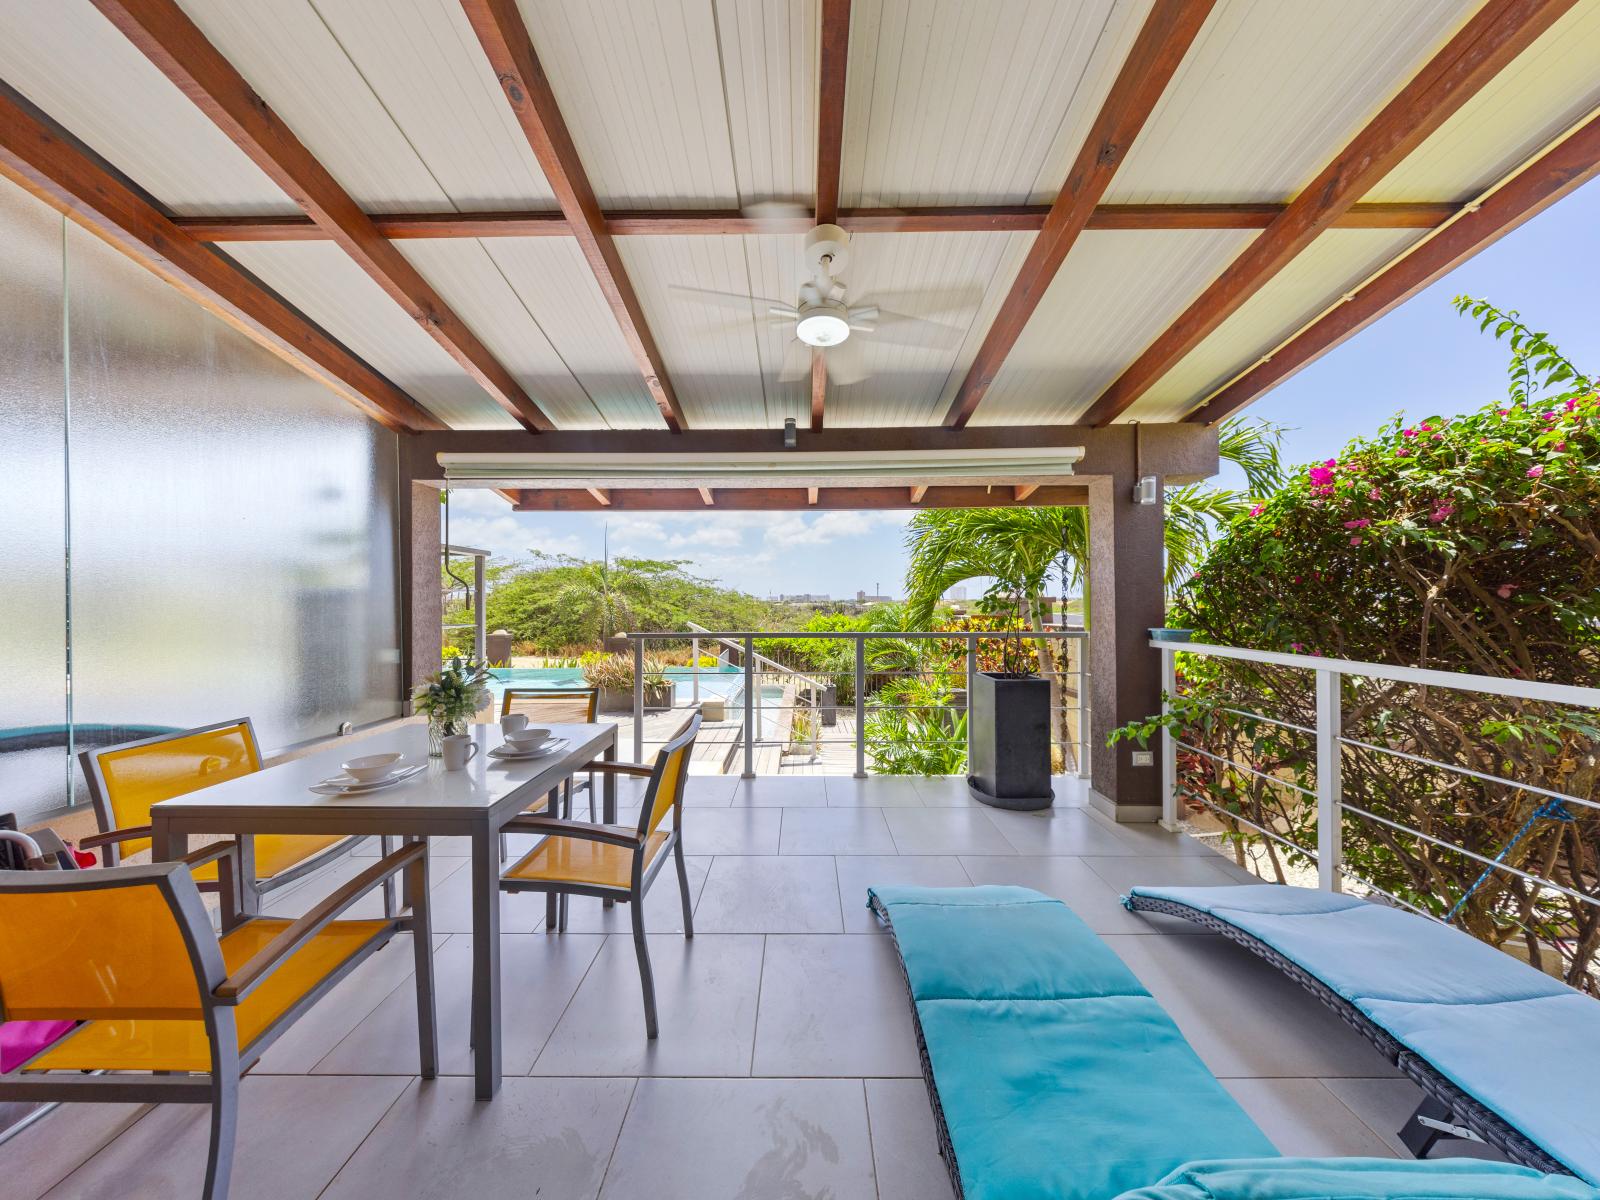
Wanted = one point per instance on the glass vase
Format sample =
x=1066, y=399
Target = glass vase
x=438, y=728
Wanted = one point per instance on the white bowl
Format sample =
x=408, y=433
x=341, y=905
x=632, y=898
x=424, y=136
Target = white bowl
x=371, y=767
x=530, y=738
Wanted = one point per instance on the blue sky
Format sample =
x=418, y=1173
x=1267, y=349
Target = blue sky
x=1421, y=359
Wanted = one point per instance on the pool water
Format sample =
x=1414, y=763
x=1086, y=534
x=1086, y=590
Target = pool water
x=727, y=682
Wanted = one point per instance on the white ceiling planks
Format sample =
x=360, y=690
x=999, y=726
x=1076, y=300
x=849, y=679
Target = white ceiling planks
x=709, y=349
x=770, y=57
x=776, y=267
x=1113, y=295
x=1547, y=90
x=425, y=66
x=640, y=88
x=972, y=103
x=1270, y=92
x=554, y=283
x=328, y=286
x=940, y=278
x=74, y=64
x=1336, y=263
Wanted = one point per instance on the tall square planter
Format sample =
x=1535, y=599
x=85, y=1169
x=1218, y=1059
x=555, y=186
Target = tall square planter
x=1010, y=724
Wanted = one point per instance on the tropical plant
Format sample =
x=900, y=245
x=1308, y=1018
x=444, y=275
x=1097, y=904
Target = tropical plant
x=614, y=672
x=912, y=728
x=1470, y=544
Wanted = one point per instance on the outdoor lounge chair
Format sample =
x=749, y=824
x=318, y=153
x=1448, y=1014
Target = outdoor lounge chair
x=1504, y=1052
x=614, y=862
x=1054, y=1075
x=126, y=779
x=171, y=1012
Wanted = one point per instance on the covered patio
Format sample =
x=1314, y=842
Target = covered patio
x=279, y=277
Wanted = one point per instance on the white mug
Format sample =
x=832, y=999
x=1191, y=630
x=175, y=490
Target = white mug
x=512, y=722
x=459, y=750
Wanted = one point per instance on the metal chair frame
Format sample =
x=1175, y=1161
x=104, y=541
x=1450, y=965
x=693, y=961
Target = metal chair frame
x=636, y=839
x=249, y=891
x=219, y=993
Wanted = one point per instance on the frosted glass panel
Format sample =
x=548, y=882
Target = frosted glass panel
x=233, y=542
x=33, y=635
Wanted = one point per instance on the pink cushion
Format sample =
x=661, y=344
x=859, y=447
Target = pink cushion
x=21, y=1040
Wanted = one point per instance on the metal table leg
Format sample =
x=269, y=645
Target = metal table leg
x=486, y=962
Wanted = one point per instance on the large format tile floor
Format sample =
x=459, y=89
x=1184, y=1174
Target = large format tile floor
x=786, y=1067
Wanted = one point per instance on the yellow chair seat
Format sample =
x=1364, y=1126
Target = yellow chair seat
x=151, y=1045
x=574, y=860
x=275, y=853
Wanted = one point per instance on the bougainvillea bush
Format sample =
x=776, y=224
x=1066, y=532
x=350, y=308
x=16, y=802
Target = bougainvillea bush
x=1464, y=544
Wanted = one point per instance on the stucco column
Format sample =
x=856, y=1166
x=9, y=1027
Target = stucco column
x=421, y=614
x=1125, y=601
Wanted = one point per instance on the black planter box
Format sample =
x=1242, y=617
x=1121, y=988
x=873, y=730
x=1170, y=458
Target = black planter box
x=1010, y=722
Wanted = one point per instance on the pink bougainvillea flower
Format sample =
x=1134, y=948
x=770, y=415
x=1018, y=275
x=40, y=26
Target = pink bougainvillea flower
x=1426, y=428
x=1572, y=404
x=1401, y=453
x=1256, y=511
x=1297, y=646
x=1443, y=512
x=1504, y=590
x=1355, y=541
x=1505, y=412
x=1322, y=476
x=1561, y=445
x=1535, y=472
x=1408, y=433
x=1374, y=494
x=1360, y=523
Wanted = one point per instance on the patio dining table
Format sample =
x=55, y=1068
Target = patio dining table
x=474, y=803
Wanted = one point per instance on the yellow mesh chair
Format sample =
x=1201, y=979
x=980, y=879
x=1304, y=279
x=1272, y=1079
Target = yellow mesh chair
x=170, y=1012
x=556, y=706
x=125, y=780
x=614, y=862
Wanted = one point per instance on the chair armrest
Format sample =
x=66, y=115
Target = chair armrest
x=205, y=854
x=619, y=768
x=115, y=835
x=612, y=835
x=272, y=956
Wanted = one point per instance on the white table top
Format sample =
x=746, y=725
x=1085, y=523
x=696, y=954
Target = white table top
x=283, y=790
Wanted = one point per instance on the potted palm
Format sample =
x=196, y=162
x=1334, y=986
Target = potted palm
x=612, y=675
x=450, y=699
x=1010, y=719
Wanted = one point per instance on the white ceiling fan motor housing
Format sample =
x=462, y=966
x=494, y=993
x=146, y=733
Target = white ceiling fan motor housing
x=824, y=318
x=827, y=250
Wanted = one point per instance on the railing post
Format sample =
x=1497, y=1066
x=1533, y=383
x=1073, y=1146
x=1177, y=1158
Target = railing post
x=1085, y=723
x=638, y=698
x=480, y=619
x=1169, y=744
x=694, y=669
x=1330, y=786
x=749, y=708
x=972, y=682
x=861, y=707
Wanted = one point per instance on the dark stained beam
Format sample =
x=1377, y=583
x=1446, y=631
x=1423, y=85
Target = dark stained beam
x=835, y=58
x=706, y=497
x=1167, y=34
x=509, y=495
x=41, y=157
x=1023, y=490
x=1025, y=218
x=170, y=40
x=601, y=497
x=819, y=388
x=779, y=499
x=918, y=492
x=1556, y=174
x=506, y=43
x=1485, y=46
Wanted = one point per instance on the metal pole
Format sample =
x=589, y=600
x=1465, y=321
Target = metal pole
x=638, y=698
x=1330, y=787
x=1169, y=744
x=694, y=667
x=861, y=707
x=480, y=626
x=1085, y=723
x=749, y=708
x=972, y=682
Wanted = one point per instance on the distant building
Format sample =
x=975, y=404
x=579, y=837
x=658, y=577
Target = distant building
x=956, y=595
x=864, y=598
x=804, y=598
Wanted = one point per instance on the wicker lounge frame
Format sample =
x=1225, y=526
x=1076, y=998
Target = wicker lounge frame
x=947, y=1150
x=1451, y=1103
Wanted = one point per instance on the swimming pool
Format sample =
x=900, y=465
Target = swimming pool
x=727, y=682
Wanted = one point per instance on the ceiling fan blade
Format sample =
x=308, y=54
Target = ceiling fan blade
x=779, y=216
x=930, y=302
x=844, y=364
x=782, y=312
x=734, y=300
x=795, y=366
x=902, y=330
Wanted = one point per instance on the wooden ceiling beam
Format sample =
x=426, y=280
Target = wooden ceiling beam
x=1484, y=46
x=601, y=496
x=1164, y=39
x=509, y=48
x=782, y=499
x=40, y=156
x=819, y=387
x=1557, y=173
x=1028, y=218
x=706, y=497
x=169, y=39
x=834, y=62
x=918, y=492
x=1022, y=491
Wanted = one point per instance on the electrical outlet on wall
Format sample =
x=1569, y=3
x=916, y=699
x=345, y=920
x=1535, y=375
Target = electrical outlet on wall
x=1144, y=758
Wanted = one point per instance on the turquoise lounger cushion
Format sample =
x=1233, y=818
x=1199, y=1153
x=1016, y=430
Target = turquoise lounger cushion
x=1361, y=1179
x=1049, y=1058
x=1524, y=1045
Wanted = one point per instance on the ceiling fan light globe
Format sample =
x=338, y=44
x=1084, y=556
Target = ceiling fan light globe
x=822, y=329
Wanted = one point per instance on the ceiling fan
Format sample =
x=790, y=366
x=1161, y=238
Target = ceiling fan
x=824, y=318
